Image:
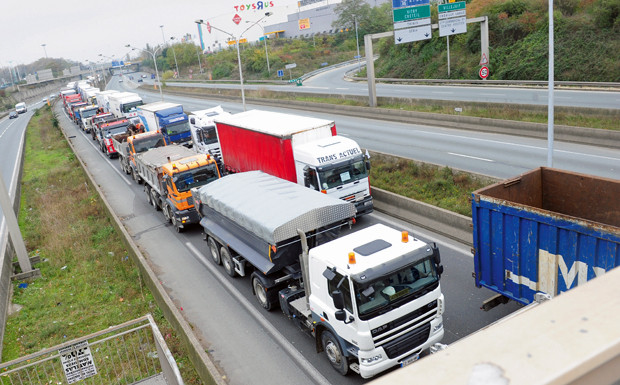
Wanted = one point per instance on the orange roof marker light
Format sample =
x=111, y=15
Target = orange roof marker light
x=352, y=258
x=405, y=235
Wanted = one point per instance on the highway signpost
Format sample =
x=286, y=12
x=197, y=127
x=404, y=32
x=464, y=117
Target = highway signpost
x=452, y=18
x=412, y=20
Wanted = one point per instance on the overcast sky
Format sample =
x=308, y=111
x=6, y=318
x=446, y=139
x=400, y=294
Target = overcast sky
x=81, y=30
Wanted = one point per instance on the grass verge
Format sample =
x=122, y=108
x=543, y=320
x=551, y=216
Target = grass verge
x=436, y=185
x=88, y=281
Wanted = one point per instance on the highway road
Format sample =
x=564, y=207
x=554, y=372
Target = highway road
x=249, y=344
x=12, y=134
x=497, y=155
x=333, y=82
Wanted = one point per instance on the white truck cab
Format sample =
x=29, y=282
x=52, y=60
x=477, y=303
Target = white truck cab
x=204, y=133
x=377, y=292
x=336, y=165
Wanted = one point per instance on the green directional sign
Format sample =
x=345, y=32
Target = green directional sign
x=411, y=13
x=451, y=7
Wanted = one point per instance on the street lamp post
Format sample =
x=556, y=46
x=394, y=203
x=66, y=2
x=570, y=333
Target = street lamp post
x=175, y=59
x=265, y=39
x=162, y=34
x=105, y=81
x=44, y=50
x=154, y=62
x=357, y=40
x=237, y=39
x=199, y=63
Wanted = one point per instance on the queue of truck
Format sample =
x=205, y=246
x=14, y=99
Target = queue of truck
x=272, y=192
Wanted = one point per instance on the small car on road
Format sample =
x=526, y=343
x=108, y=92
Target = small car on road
x=13, y=115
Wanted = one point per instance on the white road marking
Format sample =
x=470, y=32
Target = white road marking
x=471, y=157
x=7, y=128
x=284, y=343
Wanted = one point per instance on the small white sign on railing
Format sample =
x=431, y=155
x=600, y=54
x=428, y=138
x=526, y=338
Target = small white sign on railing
x=77, y=362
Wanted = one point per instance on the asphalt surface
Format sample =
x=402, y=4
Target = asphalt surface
x=248, y=343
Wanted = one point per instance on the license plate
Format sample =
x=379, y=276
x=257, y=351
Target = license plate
x=409, y=360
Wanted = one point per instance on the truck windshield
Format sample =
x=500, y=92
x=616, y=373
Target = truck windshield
x=177, y=128
x=342, y=173
x=131, y=107
x=89, y=113
x=195, y=178
x=207, y=135
x=142, y=145
x=395, y=289
x=115, y=130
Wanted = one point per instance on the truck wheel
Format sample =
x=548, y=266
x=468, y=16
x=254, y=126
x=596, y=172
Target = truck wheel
x=334, y=353
x=261, y=293
x=166, y=211
x=227, y=261
x=153, y=200
x=175, y=223
x=215, y=253
x=135, y=176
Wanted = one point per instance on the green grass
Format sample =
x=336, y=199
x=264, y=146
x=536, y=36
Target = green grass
x=88, y=281
x=438, y=186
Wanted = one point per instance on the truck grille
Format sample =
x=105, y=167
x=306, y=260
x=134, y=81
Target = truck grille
x=407, y=342
x=405, y=333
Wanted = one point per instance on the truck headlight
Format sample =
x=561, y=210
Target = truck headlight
x=371, y=360
x=438, y=327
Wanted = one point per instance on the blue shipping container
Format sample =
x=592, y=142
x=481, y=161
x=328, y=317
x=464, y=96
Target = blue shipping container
x=547, y=231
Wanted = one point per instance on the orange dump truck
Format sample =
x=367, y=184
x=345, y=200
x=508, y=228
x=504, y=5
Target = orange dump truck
x=169, y=173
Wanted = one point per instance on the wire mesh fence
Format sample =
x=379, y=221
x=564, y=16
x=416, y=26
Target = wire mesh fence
x=125, y=354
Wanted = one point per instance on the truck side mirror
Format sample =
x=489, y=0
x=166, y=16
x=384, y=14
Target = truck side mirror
x=306, y=176
x=192, y=120
x=341, y=315
x=436, y=256
x=440, y=270
x=368, y=165
x=338, y=299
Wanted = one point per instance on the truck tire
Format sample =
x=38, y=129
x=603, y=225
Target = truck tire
x=261, y=293
x=135, y=176
x=153, y=200
x=214, y=249
x=227, y=261
x=175, y=223
x=166, y=210
x=334, y=353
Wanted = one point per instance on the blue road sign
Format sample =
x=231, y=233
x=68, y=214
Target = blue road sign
x=408, y=3
x=280, y=73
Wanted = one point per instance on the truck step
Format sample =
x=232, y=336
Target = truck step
x=354, y=366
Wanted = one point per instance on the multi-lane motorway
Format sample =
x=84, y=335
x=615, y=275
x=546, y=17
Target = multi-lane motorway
x=333, y=82
x=253, y=346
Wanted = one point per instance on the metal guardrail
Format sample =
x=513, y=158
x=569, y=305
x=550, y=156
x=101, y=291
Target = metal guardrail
x=132, y=352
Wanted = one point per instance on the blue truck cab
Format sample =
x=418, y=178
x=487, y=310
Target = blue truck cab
x=169, y=119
